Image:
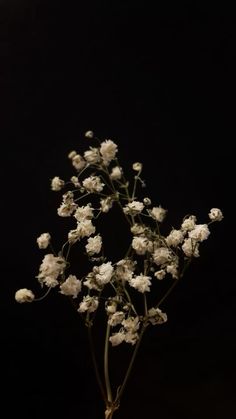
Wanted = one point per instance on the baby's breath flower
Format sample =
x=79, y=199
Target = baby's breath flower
x=141, y=245
x=138, y=229
x=103, y=273
x=175, y=238
x=72, y=154
x=158, y=213
x=117, y=338
x=133, y=208
x=108, y=151
x=85, y=228
x=188, y=223
x=94, y=245
x=84, y=213
x=24, y=295
x=200, y=232
x=141, y=283
x=71, y=286
x=43, y=240
x=106, y=204
x=57, y=183
x=191, y=248
x=116, y=318
x=89, y=304
x=156, y=316
x=93, y=184
x=160, y=274
x=116, y=173
x=75, y=181
x=162, y=255
x=137, y=166
x=147, y=201
x=89, y=134
x=172, y=269
x=92, y=156
x=50, y=269
x=78, y=162
x=215, y=214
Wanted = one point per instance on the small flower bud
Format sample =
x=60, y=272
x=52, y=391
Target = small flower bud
x=89, y=134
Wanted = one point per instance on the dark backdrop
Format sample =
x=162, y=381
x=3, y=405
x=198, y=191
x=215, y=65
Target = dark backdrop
x=161, y=84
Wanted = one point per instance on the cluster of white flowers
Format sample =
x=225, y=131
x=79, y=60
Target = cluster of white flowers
x=99, y=184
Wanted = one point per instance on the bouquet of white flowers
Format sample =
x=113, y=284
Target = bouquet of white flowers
x=126, y=290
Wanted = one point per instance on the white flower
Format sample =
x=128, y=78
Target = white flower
x=84, y=213
x=137, y=166
x=116, y=173
x=57, y=184
x=160, y=274
x=50, y=269
x=78, y=162
x=215, y=214
x=106, y=204
x=92, y=156
x=66, y=209
x=200, y=232
x=89, y=304
x=108, y=151
x=72, y=154
x=89, y=134
x=189, y=223
x=141, y=245
x=131, y=324
x=93, y=184
x=172, y=269
x=117, y=338
x=24, y=296
x=190, y=248
x=111, y=307
x=71, y=286
x=133, y=208
x=162, y=255
x=85, y=228
x=68, y=205
x=156, y=316
x=43, y=240
x=141, y=283
x=175, y=238
x=94, y=245
x=125, y=269
x=75, y=181
x=103, y=273
x=73, y=236
x=137, y=229
x=158, y=213
x=131, y=338
x=147, y=201
x=116, y=318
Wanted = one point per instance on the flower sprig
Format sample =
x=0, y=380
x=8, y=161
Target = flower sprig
x=97, y=185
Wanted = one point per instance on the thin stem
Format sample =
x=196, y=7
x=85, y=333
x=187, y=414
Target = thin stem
x=106, y=365
x=167, y=293
x=122, y=387
x=99, y=381
x=145, y=304
x=44, y=295
x=174, y=283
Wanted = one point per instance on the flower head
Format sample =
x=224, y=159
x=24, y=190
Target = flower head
x=24, y=296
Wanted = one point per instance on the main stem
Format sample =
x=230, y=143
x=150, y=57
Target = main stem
x=106, y=365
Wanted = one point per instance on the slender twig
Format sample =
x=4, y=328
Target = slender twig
x=100, y=384
x=106, y=365
x=122, y=387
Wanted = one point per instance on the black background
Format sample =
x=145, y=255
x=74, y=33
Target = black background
x=160, y=83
